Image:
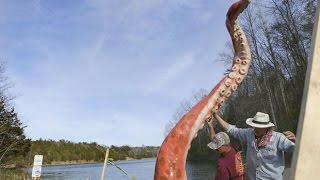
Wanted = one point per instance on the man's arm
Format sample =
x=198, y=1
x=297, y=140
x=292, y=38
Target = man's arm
x=238, y=133
x=221, y=122
x=285, y=144
x=212, y=132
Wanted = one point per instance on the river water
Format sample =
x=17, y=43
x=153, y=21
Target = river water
x=139, y=169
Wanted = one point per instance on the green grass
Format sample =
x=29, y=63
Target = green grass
x=14, y=174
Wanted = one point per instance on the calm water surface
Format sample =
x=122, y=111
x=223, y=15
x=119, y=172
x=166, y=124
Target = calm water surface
x=140, y=169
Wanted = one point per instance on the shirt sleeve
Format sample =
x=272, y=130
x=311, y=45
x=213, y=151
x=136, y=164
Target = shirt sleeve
x=239, y=133
x=222, y=173
x=285, y=144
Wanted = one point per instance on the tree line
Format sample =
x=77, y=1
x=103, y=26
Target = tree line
x=279, y=35
x=67, y=152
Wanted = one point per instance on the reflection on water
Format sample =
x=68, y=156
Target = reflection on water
x=140, y=169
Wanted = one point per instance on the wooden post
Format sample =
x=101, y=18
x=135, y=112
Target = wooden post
x=105, y=164
x=306, y=157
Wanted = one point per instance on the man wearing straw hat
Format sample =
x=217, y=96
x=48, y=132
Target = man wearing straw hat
x=265, y=147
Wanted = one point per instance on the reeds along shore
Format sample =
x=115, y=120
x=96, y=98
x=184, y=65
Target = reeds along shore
x=14, y=174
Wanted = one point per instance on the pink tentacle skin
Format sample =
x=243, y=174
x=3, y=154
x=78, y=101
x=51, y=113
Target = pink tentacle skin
x=171, y=159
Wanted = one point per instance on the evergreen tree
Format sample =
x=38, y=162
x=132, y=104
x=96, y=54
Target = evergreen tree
x=13, y=142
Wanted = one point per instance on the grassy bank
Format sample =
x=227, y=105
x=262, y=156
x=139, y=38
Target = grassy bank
x=14, y=174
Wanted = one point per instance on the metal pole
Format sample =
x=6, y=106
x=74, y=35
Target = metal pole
x=105, y=164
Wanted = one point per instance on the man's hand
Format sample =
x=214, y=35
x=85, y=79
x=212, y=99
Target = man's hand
x=209, y=120
x=290, y=136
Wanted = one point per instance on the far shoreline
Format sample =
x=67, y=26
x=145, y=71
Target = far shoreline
x=77, y=162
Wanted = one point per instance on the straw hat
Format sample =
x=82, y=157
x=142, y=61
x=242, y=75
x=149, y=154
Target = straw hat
x=260, y=120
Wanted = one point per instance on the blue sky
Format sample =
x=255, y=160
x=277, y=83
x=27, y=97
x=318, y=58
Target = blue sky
x=109, y=71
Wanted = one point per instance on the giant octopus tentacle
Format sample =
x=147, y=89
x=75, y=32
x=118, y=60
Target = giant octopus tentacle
x=171, y=159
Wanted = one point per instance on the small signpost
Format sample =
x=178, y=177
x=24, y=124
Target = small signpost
x=37, y=165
